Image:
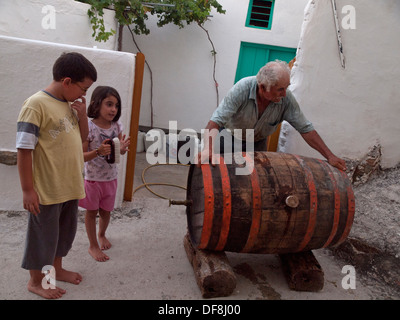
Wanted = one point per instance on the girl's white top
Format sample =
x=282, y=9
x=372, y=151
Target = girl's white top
x=99, y=169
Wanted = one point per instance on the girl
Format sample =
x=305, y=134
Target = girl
x=101, y=176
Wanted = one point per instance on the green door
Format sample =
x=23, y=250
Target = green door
x=253, y=56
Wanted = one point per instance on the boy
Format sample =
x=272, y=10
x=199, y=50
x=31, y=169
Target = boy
x=50, y=132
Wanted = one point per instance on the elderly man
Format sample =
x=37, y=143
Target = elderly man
x=261, y=103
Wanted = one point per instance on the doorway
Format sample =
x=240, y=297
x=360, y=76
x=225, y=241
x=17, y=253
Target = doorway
x=253, y=56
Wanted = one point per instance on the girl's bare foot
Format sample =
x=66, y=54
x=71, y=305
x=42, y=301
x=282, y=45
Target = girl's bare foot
x=68, y=276
x=45, y=293
x=97, y=254
x=104, y=243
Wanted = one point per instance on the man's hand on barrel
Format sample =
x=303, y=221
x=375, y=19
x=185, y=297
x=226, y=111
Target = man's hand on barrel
x=337, y=162
x=315, y=141
x=207, y=157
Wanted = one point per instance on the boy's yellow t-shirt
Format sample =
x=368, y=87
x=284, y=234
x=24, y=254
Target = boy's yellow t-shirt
x=50, y=127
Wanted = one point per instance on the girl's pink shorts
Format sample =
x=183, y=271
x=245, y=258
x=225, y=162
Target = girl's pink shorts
x=99, y=195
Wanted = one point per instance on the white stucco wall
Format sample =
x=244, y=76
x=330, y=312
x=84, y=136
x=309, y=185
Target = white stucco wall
x=25, y=68
x=59, y=21
x=359, y=106
x=182, y=63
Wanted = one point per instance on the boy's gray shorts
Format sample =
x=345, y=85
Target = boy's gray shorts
x=50, y=234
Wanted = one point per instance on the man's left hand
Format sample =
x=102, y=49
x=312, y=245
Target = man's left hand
x=337, y=162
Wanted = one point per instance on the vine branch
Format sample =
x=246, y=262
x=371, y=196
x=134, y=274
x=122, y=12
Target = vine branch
x=214, y=54
x=135, y=13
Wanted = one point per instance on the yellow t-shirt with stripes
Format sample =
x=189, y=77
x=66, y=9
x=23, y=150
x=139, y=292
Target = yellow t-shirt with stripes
x=50, y=128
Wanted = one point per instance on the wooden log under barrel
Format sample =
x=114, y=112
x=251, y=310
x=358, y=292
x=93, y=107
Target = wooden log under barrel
x=285, y=203
x=213, y=273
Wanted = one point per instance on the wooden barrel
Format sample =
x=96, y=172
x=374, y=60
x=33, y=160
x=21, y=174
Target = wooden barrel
x=286, y=203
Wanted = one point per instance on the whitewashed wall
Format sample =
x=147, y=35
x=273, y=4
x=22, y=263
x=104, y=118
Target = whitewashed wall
x=357, y=107
x=25, y=68
x=59, y=21
x=182, y=63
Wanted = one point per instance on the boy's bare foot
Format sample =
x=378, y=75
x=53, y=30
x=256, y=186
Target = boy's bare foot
x=45, y=293
x=104, y=243
x=68, y=276
x=97, y=254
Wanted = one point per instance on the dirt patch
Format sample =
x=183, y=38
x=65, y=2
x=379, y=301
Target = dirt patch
x=373, y=246
x=372, y=263
x=259, y=280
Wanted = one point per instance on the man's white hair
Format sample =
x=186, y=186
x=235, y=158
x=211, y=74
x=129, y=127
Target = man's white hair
x=271, y=73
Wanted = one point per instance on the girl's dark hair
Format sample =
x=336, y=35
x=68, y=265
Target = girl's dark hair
x=98, y=95
x=75, y=66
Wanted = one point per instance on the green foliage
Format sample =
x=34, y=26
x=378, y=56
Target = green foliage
x=134, y=13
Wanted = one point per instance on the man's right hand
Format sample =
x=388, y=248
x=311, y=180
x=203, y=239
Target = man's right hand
x=207, y=157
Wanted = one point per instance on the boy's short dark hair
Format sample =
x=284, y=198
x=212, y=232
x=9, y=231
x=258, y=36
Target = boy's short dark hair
x=98, y=95
x=75, y=66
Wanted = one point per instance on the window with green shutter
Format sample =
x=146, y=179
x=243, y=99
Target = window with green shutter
x=260, y=14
